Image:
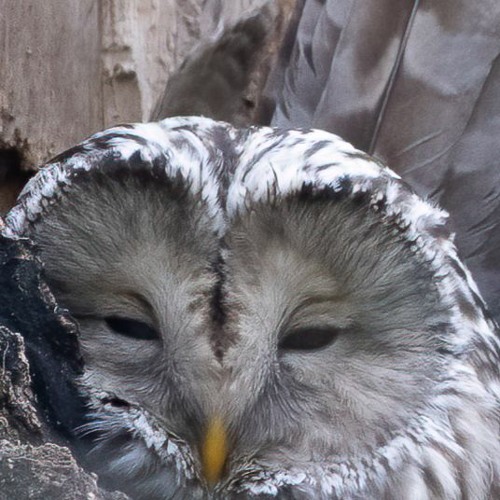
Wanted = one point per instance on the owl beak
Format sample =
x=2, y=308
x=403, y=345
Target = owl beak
x=214, y=450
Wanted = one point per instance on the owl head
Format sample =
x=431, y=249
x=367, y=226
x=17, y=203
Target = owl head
x=279, y=287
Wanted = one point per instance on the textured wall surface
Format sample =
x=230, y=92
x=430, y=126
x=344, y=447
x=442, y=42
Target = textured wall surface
x=138, y=52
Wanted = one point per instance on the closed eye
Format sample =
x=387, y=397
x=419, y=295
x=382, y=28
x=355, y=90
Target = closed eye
x=132, y=328
x=309, y=339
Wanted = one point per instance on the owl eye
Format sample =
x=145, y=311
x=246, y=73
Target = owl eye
x=132, y=328
x=309, y=339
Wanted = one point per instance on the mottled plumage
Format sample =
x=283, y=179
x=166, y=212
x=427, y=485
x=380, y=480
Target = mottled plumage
x=284, y=282
x=277, y=289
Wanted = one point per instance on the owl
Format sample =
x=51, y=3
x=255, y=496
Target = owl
x=272, y=312
x=263, y=313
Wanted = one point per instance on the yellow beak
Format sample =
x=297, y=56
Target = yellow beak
x=214, y=450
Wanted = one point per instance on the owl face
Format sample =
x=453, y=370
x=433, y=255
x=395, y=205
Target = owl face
x=139, y=283
x=280, y=283
x=332, y=351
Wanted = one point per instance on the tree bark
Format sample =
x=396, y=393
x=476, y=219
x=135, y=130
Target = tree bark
x=34, y=462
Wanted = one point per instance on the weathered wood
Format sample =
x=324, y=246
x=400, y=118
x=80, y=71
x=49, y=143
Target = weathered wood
x=50, y=78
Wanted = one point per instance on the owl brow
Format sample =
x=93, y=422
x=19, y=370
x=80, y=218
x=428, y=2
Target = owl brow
x=313, y=300
x=137, y=297
x=132, y=296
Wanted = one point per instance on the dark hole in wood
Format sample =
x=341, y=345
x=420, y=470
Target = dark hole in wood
x=12, y=177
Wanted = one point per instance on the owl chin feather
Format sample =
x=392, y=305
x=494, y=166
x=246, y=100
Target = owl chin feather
x=431, y=459
x=131, y=451
x=442, y=455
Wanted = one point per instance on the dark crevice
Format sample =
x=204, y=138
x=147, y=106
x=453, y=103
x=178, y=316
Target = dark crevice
x=12, y=177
